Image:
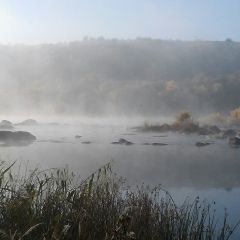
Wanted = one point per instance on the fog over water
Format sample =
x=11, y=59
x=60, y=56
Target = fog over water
x=211, y=172
x=100, y=90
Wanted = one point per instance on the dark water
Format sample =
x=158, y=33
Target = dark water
x=211, y=172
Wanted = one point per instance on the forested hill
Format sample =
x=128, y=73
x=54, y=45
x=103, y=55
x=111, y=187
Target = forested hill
x=121, y=77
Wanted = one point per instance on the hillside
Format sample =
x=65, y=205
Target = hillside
x=99, y=77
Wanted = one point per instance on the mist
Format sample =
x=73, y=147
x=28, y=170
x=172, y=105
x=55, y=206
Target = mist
x=85, y=100
x=113, y=78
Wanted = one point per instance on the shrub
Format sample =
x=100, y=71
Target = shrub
x=235, y=114
x=183, y=116
x=186, y=126
x=216, y=118
x=184, y=122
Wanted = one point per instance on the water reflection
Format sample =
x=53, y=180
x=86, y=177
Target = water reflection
x=234, y=146
x=170, y=159
x=210, y=171
x=214, y=166
x=15, y=143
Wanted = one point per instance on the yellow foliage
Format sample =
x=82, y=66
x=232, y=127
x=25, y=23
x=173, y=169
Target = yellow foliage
x=183, y=116
x=216, y=118
x=235, y=114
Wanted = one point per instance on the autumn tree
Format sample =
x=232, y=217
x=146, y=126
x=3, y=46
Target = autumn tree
x=183, y=116
x=235, y=114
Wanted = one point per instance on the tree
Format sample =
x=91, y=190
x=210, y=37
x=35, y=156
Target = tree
x=228, y=40
x=235, y=114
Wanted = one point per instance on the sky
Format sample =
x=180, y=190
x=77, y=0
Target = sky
x=53, y=21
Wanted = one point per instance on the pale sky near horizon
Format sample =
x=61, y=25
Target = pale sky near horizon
x=52, y=21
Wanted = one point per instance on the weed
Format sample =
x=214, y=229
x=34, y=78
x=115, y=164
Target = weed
x=54, y=204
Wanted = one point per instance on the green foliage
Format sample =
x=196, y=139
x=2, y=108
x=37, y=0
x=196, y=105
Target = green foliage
x=52, y=204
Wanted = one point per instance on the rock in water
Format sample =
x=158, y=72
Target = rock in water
x=201, y=144
x=234, y=140
x=204, y=131
x=123, y=141
x=6, y=136
x=228, y=133
x=6, y=127
x=6, y=123
x=159, y=144
x=28, y=122
x=214, y=129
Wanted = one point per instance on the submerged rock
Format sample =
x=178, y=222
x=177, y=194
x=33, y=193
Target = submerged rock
x=209, y=130
x=201, y=144
x=28, y=122
x=6, y=136
x=159, y=144
x=234, y=140
x=204, y=131
x=78, y=136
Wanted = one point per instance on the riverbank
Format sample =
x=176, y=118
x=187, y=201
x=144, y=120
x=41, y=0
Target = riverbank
x=55, y=204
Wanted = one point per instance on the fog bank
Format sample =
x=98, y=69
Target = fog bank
x=101, y=78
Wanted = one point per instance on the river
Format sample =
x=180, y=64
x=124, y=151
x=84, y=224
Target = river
x=185, y=170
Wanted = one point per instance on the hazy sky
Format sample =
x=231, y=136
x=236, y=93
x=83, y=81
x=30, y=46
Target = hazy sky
x=51, y=21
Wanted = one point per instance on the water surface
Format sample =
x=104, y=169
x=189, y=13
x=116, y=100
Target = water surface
x=211, y=172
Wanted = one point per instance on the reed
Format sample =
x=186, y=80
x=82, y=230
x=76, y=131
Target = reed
x=183, y=123
x=55, y=204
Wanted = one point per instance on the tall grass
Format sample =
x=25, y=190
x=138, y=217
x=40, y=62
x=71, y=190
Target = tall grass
x=55, y=204
x=183, y=122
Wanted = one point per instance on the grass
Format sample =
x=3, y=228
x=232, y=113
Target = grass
x=186, y=126
x=183, y=123
x=55, y=204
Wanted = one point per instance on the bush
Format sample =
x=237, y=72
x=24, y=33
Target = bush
x=235, y=114
x=186, y=126
x=183, y=116
x=184, y=122
x=216, y=118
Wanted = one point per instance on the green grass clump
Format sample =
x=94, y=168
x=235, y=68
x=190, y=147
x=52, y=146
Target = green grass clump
x=53, y=204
